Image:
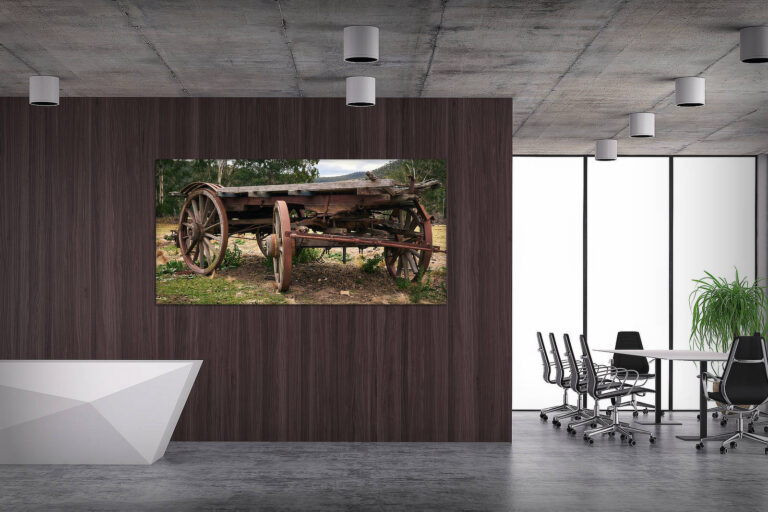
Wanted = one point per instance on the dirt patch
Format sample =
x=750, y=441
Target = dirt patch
x=315, y=282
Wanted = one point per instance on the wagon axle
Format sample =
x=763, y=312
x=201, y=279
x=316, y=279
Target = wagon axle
x=335, y=240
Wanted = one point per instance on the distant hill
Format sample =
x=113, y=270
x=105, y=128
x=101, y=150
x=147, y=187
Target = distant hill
x=351, y=176
x=381, y=172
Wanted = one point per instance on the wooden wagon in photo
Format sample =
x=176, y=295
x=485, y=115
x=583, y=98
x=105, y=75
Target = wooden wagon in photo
x=373, y=212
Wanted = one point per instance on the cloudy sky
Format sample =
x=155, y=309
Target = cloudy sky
x=339, y=167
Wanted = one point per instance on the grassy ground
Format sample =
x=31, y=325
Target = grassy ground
x=314, y=281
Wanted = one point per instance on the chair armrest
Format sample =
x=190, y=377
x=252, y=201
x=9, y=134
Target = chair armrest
x=627, y=375
x=710, y=376
x=705, y=377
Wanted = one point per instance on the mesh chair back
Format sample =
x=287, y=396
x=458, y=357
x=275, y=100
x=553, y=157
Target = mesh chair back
x=630, y=340
x=745, y=379
x=575, y=375
x=589, y=367
x=545, y=360
x=560, y=375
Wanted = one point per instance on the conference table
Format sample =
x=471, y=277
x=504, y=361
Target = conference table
x=699, y=356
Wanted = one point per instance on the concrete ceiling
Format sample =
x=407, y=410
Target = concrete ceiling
x=575, y=69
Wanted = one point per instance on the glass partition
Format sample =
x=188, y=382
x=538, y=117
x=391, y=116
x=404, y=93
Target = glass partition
x=628, y=251
x=546, y=267
x=714, y=230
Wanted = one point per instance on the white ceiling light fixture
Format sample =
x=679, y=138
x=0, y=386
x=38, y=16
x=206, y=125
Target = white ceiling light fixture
x=642, y=124
x=754, y=44
x=606, y=149
x=689, y=91
x=361, y=44
x=44, y=91
x=361, y=91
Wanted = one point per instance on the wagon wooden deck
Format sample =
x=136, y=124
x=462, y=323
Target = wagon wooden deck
x=373, y=212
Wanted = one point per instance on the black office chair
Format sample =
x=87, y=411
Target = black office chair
x=627, y=385
x=568, y=377
x=549, y=379
x=745, y=382
x=630, y=340
x=579, y=384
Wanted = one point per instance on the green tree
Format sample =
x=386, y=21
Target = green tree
x=173, y=175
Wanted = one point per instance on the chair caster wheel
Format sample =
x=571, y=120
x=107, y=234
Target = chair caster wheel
x=611, y=434
x=556, y=424
x=765, y=429
x=714, y=415
x=591, y=441
x=593, y=425
x=723, y=422
x=733, y=444
x=544, y=417
x=577, y=418
x=632, y=442
x=751, y=429
x=699, y=446
x=586, y=437
x=622, y=437
x=652, y=439
x=723, y=449
x=645, y=411
x=635, y=414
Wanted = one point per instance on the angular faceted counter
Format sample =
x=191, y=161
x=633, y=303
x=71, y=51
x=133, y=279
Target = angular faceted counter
x=90, y=412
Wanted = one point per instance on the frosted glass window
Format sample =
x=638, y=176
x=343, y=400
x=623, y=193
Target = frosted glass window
x=547, y=195
x=628, y=252
x=714, y=230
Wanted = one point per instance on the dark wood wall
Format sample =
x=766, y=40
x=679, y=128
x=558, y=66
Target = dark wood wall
x=77, y=214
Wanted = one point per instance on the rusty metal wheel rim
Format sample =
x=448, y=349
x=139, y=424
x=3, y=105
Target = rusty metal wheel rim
x=203, y=231
x=409, y=264
x=283, y=259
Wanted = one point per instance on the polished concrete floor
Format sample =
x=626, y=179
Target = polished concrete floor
x=543, y=469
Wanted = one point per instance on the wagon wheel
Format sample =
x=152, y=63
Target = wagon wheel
x=282, y=250
x=203, y=231
x=410, y=263
x=261, y=240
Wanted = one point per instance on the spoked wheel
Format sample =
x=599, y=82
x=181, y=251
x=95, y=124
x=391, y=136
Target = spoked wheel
x=280, y=247
x=409, y=264
x=262, y=238
x=203, y=231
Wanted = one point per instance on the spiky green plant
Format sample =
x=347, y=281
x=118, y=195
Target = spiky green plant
x=723, y=310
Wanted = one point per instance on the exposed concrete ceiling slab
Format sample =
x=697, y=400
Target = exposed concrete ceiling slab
x=575, y=69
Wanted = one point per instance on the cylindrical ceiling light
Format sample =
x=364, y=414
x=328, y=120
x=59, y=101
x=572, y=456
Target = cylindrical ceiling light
x=606, y=149
x=361, y=44
x=754, y=44
x=44, y=90
x=689, y=91
x=642, y=124
x=361, y=91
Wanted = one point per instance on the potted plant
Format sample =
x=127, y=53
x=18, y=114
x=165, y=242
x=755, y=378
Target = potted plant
x=723, y=310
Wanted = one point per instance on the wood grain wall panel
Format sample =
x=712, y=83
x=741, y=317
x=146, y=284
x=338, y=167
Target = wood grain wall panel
x=77, y=209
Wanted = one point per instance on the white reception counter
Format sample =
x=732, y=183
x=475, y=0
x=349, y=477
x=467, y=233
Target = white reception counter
x=90, y=412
